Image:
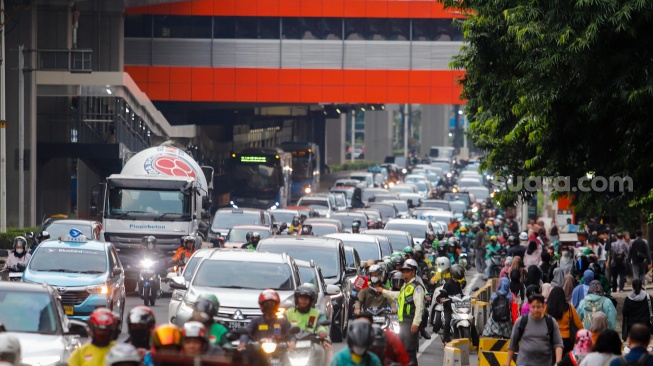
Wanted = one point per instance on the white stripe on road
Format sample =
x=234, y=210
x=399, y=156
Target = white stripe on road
x=468, y=288
x=427, y=343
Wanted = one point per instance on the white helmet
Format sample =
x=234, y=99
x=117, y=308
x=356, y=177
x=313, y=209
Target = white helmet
x=442, y=264
x=195, y=330
x=10, y=348
x=122, y=352
x=374, y=268
x=410, y=264
x=523, y=236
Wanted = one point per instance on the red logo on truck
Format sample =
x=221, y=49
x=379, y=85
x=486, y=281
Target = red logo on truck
x=175, y=166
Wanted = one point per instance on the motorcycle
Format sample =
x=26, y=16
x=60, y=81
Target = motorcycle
x=149, y=282
x=14, y=274
x=496, y=263
x=380, y=317
x=272, y=350
x=437, y=314
x=462, y=318
x=462, y=259
x=308, y=349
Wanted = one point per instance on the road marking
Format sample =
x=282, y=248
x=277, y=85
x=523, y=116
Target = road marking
x=426, y=344
x=468, y=288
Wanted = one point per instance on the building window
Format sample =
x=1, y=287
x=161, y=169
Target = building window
x=138, y=26
x=224, y=27
x=291, y=28
x=331, y=28
x=436, y=30
x=268, y=28
x=246, y=27
x=173, y=26
x=355, y=29
x=398, y=29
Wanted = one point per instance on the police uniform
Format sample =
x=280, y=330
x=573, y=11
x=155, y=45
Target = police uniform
x=411, y=306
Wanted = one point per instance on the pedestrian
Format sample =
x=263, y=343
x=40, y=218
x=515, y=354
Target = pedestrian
x=566, y=260
x=530, y=290
x=599, y=276
x=606, y=349
x=553, y=233
x=581, y=290
x=533, y=254
x=638, y=308
x=565, y=314
x=566, y=227
x=558, y=278
x=517, y=264
x=546, y=267
x=516, y=286
x=640, y=257
x=568, y=286
x=639, y=338
x=582, y=347
x=599, y=324
x=546, y=290
x=536, y=336
x=618, y=263
x=597, y=301
x=481, y=240
x=533, y=277
x=499, y=322
x=505, y=271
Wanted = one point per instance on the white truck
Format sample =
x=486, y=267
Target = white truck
x=161, y=191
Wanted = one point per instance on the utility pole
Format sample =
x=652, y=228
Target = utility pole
x=406, y=120
x=352, y=116
x=3, y=125
x=21, y=138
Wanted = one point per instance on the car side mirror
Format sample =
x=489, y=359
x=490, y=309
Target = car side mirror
x=116, y=272
x=332, y=290
x=78, y=328
x=351, y=271
x=177, y=286
x=206, y=202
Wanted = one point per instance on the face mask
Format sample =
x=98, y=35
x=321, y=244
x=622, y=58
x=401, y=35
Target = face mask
x=374, y=279
x=20, y=251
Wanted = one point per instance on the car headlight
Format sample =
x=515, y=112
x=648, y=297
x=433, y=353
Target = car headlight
x=178, y=295
x=102, y=289
x=42, y=360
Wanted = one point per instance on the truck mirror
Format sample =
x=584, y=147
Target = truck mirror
x=206, y=202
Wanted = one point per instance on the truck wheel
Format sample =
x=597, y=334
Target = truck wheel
x=130, y=285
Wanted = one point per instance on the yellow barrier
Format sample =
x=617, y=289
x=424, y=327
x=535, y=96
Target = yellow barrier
x=493, y=344
x=489, y=358
x=456, y=353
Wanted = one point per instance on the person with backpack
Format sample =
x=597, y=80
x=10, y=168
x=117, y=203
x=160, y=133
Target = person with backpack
x=639, y=338
x=565, y=314
x=536, y=337
x=499, y=323
x=618, y=266
x=581, y=290
x=638, y=308
x=596, y=301
x=582, y=347
x=640, y=257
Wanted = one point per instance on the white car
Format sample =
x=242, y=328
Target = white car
x=186, y=276
x=416, y=228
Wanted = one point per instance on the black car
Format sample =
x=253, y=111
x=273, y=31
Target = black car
x=329, y=255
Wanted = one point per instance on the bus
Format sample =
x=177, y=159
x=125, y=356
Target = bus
x=260, y=178
x=305, y=167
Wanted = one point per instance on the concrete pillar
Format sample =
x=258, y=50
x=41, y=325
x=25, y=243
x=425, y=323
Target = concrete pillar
x=435, y=126
x=101, y=28
x=335, y=140
x=378, y=135
x=86, y=180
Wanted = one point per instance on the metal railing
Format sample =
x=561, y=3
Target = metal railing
x=65, y=60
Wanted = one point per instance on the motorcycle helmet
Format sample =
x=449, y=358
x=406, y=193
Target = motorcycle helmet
x=206, y=309
x=442, y=264
x=430, y=235
x=511, y=240
x=379, y=223
x=248, y=236
x=167, y=336
x=410, y=264
x=43, y=236
x=489, y=223
x=457, y=272
x=10, y=348
x=448, y=234
x=268, y=301
x=308, y=290
x=195, y=329
x=523, y=236
x=371, y=224
x=398, y=261
x=307, y=229
x=452, y=242
x=149, y=242
x=463, y=230
x=360, y=336
x=295, y=221
x=594, y=267
x=313, y=213
x=256, y=237
x=20, y=240
x=102, y=325
x=188, y=240
x=493, y=238
x=397, y=280
x=409, y=250
x=122, y=353
x=140, y=323
x=356, y=224
x=440, y=234
x=302, y=218
x=376, y=272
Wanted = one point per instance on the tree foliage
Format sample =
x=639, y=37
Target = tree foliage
x=562, y=88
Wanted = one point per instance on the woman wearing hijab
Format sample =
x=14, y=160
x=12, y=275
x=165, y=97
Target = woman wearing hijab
x=606, y=349
x=581, y=290
x=636, y=308
x=533, y=254
x=582, y=347
x=516, y=286
x=505, y=271
x=594, y=302
x=532, y=289
x=495, y=329
x=533, y=277
x=546, y=267
x=566, y=261
x=568, y=286
x=546, y=290
x=599, y=324
x=558, y=277
x=565, y=314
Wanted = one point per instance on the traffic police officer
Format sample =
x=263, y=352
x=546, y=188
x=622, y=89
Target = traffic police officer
x=411, y=306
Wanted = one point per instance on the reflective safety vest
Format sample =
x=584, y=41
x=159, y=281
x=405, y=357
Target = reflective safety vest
x=406, y=302
x=306, y=321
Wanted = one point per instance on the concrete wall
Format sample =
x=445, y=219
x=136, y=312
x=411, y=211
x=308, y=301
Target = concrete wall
x=378, y=135
x=101, y=28
x=334, y=147
x=435, y=126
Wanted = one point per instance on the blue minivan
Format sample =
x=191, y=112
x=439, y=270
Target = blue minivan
x=86, y=273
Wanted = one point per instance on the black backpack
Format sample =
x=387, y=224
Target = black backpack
x=501, y=307
x=619, y=255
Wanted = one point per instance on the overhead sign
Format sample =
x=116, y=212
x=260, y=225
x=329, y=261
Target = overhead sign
x=253, y=159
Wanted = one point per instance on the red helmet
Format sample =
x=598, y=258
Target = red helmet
x=101, y=326
x=268, y=295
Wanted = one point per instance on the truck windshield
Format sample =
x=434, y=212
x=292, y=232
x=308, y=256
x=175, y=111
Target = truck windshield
x=257, y=178
x=144, y=203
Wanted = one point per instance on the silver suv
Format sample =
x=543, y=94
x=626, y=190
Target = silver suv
x=237, y=277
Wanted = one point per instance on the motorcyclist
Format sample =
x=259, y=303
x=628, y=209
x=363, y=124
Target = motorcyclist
x=424, y=264
x=396, y=280
x=102, y=325
x=152, y=253
x=183, y=254
x=306, y=317
x=205, y=310
x=386, y=346
x=140, y=324
x=491, y=248
x=167, y=339
x=454, y=251
x=196, y=341
x=122, y=355
x=40, y=238
x=370, y=297
x=18, y=258
x=295, y=225
x=514, y=249
x=302, y=218
x=430, y=240
x=398, y=262
x=409, y=252
x=379, y=223
x=442, y=273
x=452, y=287
x=356, y=227
x=254, y=239
x=360, y=336
x=307, y=229
x=10, y=354
x=269, y=324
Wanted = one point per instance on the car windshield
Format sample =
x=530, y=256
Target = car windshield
x=220, y=273
x=387, y=211
x=239, y=235
x=308, y=275
x=69, y=260
x=458, y=206
x=349, y=193
x=42, y=317
x=366, y=250
x=421, y=186
x=284, y=216
x=190, y=268
x=321, y=230
x=313, y=203
x=57, y=229
x=325, y=258
x=480, y=193
x=397, y=241
x=367, y=193
x=347, y=220
x=416, y=230
x=453, y=197
x=433, y=204
x=402, y=189
x=228, y=219
x=401, y=206
x=340, y=200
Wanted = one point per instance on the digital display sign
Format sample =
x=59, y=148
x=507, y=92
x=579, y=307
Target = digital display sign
x=253, y=159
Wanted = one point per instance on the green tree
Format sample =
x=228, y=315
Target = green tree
x=562, y=88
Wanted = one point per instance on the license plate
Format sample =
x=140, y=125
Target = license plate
x=303, y=344
x=379, y=319
x=236, y=325
x=69, y=309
